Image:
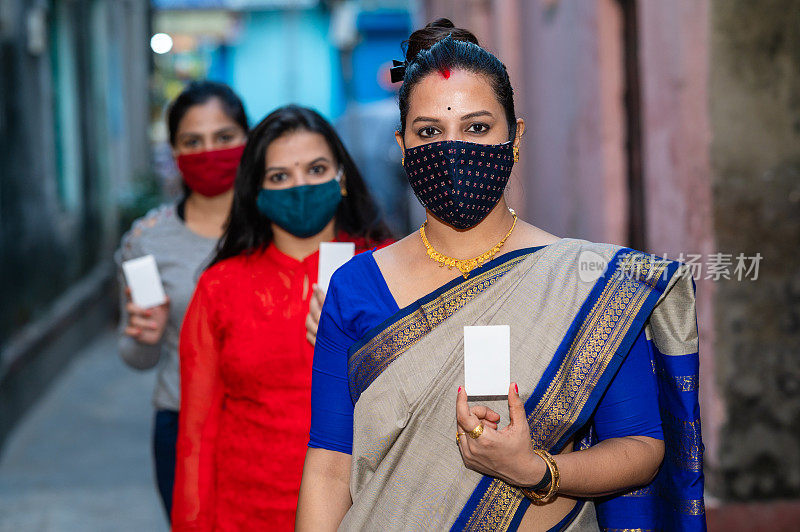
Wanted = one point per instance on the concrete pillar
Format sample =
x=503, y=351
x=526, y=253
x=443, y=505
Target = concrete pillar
x=755, y=162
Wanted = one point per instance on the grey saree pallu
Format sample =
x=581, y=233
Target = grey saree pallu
x=570, y=331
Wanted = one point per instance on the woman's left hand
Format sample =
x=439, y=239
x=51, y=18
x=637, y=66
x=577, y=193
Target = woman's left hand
x=314, y=312
x=506, y=454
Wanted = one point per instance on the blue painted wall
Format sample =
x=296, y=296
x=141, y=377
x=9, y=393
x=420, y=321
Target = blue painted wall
x=283, y=57
x=381, y=32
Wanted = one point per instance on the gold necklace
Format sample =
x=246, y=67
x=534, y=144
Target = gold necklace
x=464, y=265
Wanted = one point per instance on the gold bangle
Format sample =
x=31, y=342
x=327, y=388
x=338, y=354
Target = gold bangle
x=555, y=478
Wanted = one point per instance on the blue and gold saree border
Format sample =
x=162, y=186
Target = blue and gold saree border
x=371, y=355
x=597, y=341
x=674, y=500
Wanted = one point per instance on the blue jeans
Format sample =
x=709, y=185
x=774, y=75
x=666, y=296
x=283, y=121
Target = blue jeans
x=165, y=436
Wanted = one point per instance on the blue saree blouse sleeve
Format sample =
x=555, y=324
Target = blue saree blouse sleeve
x=630, y=404
x=358, y=300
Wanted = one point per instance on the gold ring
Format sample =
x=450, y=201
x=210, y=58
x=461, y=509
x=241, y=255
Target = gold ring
x=458, y=437
x=476, y=432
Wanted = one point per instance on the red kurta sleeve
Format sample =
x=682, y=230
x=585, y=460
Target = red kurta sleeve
x=201, y=401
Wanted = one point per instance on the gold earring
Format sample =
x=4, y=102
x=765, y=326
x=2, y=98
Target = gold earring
x=516, y=154
x=343, y=187
x=402, y=161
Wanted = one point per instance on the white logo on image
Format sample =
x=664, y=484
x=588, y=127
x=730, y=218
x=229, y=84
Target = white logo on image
x=591, y=266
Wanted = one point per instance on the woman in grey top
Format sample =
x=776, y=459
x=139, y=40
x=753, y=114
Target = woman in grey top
x=207, y=130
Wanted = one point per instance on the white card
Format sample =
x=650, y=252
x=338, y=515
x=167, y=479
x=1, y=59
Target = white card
x=487, y=360
x=331, y=256
x=143, y=279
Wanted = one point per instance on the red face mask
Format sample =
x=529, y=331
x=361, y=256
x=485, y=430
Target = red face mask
x=210, y=173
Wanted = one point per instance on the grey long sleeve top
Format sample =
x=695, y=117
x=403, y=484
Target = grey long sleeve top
x=180, y=255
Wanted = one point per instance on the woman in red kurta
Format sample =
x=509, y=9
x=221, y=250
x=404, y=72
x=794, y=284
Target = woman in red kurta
x=245, y=358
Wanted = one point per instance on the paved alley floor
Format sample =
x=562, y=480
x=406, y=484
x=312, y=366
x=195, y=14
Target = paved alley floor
x=80, y=460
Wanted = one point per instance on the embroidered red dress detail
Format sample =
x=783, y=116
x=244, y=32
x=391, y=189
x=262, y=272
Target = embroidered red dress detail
x=246, y=392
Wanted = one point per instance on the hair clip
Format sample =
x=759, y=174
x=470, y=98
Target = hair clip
x=398, y=70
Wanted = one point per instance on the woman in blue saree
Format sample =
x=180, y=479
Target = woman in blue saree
x=601, y=426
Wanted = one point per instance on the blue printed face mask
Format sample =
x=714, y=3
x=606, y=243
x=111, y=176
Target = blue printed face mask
x=459, y=182
x=304, y=210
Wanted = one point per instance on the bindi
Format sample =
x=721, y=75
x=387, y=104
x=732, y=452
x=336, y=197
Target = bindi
x=445, y=73
x=449, y=108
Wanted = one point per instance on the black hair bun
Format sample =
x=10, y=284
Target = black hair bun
x=434, y=32
x=441, y=23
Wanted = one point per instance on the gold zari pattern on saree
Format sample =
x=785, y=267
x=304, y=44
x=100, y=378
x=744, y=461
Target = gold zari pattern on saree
x=682, y=383
x=684, y=506
x=593, y=347
x=692, y=507
x=684, y=445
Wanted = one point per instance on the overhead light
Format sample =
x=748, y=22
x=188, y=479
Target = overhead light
x=161, y=43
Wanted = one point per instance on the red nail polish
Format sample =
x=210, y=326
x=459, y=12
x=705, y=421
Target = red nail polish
x=459, y=389
x=516, y=388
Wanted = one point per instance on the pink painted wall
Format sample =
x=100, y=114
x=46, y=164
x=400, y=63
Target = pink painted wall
x=673, y=48
x=575, y=184
x=506, y=35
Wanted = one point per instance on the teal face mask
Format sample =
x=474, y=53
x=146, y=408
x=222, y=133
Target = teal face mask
x=303, y=211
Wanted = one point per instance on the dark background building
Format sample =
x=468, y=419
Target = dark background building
x=74, y=93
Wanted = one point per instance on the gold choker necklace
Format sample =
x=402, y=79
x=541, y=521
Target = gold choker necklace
x=464, y=265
